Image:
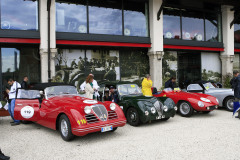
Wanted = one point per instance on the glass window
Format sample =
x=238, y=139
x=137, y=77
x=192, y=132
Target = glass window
x=71, y=17
x=105, y=17
x=134, y=65
x=136, y=18
x=19, y=15
x=171, y=24
x=211, y=25
x=20, y=62
x=192, y=26
x=237, y=33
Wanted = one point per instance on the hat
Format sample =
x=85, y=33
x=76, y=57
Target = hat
x=235, y=72
x=111, y=87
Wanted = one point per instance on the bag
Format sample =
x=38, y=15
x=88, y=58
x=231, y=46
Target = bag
x=9, y=101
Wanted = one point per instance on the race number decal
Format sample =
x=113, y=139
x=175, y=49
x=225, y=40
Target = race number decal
x=27, y=112
x=90, y=101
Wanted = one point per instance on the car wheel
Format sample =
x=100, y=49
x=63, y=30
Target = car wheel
x=65, y=128
x=165, y=119
x=114, y=129
x=133, y=117
x=185, y=109
x=228, y=103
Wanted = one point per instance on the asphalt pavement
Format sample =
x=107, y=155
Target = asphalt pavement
x=203, y=136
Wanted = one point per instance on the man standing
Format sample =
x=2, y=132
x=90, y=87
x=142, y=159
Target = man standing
x=112, y=95
x=95, y=85
x=170, y=83
x=24, y=84
x=236, y=87
x=12, y=96
x=3, y=157
x=147, y=86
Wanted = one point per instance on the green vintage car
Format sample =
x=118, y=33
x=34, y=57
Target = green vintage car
x=138, y=108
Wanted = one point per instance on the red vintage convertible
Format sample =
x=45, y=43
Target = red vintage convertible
x=188, y=102
x=59, y=107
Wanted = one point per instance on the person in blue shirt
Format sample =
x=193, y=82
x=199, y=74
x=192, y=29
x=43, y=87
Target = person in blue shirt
x=171, y=83
x=113, y=95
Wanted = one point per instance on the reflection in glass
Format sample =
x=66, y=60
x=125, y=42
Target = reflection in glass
x=23, y=15
x=105, y=17
x=171, y=24
x=71, y=17
x=211, y=26
x=237, y=33
x=135, y=19
x=192, y=26
x=17, y=63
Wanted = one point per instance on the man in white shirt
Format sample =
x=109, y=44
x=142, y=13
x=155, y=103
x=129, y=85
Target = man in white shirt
x=12, y=96
x=95, y=86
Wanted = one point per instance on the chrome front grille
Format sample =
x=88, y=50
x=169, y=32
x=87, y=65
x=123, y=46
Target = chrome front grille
x=159, y=107
x=91, y=118
x=100, y=111
x=112, y=115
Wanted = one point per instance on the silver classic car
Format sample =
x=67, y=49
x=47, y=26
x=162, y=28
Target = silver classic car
x=225, y=96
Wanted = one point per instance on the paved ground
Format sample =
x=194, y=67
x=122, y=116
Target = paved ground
x=212, y=136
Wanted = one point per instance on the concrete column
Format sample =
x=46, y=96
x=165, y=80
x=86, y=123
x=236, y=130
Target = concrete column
x=228, y=40
x=44, y=38
x=156, y=51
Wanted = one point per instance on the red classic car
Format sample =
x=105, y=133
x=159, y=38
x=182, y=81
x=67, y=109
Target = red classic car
x=188, y=102
x=59, y=107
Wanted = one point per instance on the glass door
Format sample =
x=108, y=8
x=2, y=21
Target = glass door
x=17, y=63
x=189, y=68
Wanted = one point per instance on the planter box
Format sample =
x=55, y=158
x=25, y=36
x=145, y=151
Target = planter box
x=3, y=112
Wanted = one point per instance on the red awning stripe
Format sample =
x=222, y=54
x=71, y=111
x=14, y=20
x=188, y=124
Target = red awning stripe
x=94, y=43
x=193, y=48
x=236, y=50
x=19, y=40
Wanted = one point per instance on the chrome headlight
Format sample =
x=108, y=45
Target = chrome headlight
x=165, y=108
x=205, y=99
x=200, y=104
x=112, y=106
x=217, y=100
x=87, y=109
x=153, y=110
x=146, y=113
x=175, y=108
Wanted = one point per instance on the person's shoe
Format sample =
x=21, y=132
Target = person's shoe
x=3, y=157
x=237, y=117
x=14, y=124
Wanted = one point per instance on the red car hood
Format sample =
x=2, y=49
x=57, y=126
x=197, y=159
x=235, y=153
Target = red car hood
x=186, y=95
x=73, y=101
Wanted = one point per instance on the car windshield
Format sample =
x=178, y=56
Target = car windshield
x=208, y=85
x=60, y=90
x=194, y=87
x=28, y=94
x=168, y=89
x=127, y=89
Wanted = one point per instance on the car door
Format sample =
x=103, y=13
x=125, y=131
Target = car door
x=27, y=105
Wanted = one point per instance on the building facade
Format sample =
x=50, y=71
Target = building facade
x=65, y=40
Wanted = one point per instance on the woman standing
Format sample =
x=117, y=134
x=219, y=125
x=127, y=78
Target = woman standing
x=147, y=85
x=89, y=87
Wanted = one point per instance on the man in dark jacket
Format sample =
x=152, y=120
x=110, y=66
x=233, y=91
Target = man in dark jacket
x=113, y=95
x=170, y=83
x=236, y=87
x=3, y=157
x=24, y=84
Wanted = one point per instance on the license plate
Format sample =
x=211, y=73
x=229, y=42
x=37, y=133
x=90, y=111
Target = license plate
x=105, y=129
